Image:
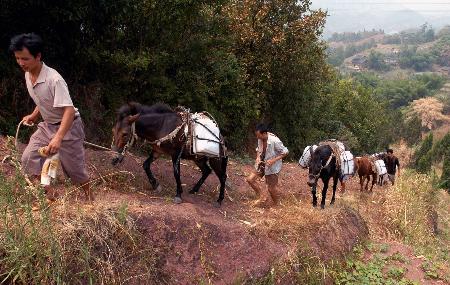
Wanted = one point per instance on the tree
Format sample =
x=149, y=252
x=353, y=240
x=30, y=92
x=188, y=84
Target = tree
x=429, y=110
x=445, y=177
x=423, y=157
x=376, y=61
x=278, y=42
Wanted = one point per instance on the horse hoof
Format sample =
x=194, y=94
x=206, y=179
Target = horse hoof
x=158, y=189
x=332, y=202
x=177, y=200
x=192, y=192
x=314, y=204
x=322, y=207
x=218, y=204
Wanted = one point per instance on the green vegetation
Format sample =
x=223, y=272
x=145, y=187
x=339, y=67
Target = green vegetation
x=224, y=57
x=359, y=271
x=422, y=35
x=39, y=245
x=400, y=92
x=419, y=61
x=409, y=211
x=422, y=157
x=336, y=56
x=349, y=37
x=441, y=50
x=376, y=61
x=429, y=153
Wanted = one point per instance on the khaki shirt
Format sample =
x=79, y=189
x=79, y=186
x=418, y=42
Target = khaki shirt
x=50, y=94
x=274, y=148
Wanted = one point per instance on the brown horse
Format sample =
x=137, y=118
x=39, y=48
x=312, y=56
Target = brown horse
x=155, y=124
x=365, y=171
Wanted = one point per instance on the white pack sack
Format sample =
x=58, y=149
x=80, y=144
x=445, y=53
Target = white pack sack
x=306, y=156
x=381, y=167
x=205, y=136
x=347, y=163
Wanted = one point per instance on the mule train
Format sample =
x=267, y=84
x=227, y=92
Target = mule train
x=331, y=159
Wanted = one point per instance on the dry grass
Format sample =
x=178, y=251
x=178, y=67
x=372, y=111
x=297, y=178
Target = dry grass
x=68, y=243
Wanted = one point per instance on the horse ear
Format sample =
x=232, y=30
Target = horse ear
x=134, y=107
x=133, y=118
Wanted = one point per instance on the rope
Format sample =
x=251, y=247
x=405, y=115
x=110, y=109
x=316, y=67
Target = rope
x=32, y=125
x=336, y=152
x=97, y=146
x=170, y=136
x=31, y=185
x=18, y=128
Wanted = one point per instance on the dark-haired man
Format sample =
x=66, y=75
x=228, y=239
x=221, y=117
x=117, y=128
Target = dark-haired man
x=269, y=156
x=392, y=165
x=62, y=130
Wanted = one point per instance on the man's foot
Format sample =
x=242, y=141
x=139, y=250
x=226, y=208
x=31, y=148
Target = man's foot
x=51, y=194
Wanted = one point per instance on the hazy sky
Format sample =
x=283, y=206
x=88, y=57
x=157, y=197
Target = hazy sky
x=390, y=15
x=424, y=6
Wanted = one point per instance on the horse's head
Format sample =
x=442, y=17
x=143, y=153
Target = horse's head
x=320, y=159
x=122, y=131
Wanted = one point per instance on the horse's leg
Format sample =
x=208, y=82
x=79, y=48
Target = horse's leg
x=361, y=181
x=148, y=171
x=313, y=192
x=324, y=192
x=206, y=170
x=374, y=180
x=335, y=182
x=220, y=169
x=176, y=172
x=367, y=183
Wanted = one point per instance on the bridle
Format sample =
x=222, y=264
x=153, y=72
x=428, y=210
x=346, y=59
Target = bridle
x=322, y=167
x=131, y=140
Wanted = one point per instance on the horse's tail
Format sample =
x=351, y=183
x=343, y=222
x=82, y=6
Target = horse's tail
x=357, y=162
x=223, y=166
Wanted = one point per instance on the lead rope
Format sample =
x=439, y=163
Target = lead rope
x=323, y=166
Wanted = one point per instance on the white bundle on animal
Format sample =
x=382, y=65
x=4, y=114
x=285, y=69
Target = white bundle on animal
x=205, y=135
x=347, y=163
x=381, y=167
x=305, y=159
x=381, y=171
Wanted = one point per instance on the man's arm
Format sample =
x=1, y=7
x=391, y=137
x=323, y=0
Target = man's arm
x=279, y=148
x=66, y=123
x=397, y=163
x=31, y=118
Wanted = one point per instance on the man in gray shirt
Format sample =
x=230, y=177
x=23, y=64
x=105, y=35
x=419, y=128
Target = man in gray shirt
x=269, y=156
x=62, y=130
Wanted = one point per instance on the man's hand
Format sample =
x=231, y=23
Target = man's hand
x=29, y=119
x=270, y=162
x=54, y=145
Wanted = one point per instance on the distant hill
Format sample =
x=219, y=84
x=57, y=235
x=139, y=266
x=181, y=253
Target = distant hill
x=390, y=22
x=391, y=17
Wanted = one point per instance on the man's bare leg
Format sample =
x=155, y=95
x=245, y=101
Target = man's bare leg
x=272, y=187
x=251, y=180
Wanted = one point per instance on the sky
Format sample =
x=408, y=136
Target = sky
x=389, y=15
x=417, y=5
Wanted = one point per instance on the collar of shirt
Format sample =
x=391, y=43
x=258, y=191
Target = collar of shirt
x=42, y=75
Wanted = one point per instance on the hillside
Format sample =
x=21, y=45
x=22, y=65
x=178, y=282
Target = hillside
x=239, y=243
x=408, y=52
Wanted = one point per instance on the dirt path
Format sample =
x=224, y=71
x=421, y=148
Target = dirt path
x=197, y=242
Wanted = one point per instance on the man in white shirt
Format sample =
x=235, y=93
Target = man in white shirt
x=62, y=130
x=269, y=156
